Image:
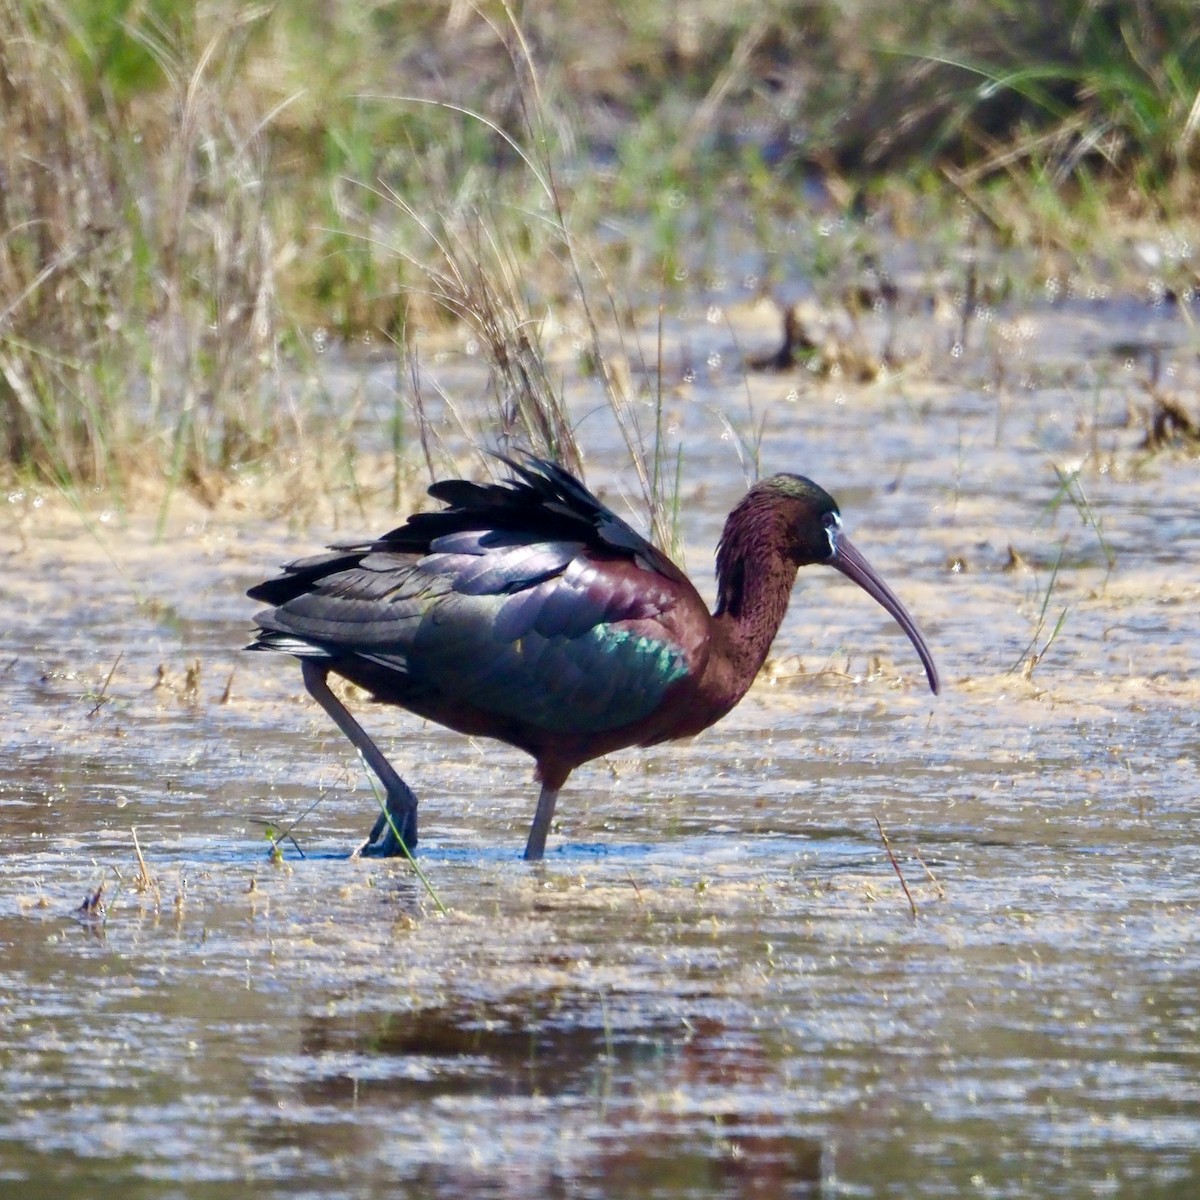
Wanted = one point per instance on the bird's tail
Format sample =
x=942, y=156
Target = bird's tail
x=287, y=643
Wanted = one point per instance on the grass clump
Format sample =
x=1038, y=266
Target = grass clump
x=140, y=319
x=62, y=269
x=193, y=190
x=502, y=270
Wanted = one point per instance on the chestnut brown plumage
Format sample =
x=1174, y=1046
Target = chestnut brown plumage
x=526, y=611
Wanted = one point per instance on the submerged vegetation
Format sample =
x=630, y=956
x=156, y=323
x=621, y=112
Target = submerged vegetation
x=195, y=197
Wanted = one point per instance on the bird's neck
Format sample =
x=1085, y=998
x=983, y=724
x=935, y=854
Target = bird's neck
x=754, y=583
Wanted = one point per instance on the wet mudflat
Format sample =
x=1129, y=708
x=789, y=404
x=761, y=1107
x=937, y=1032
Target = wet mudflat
x=715, y=984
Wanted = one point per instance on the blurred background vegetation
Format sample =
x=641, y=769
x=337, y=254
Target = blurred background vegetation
x=191, y=192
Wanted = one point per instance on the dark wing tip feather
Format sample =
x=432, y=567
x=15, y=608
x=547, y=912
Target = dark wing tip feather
x=540, y=497
x=458, y=493
x=548, y=478
x=298, y=577
x=564, y=496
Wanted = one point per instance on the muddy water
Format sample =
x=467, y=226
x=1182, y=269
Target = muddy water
x=715, y=985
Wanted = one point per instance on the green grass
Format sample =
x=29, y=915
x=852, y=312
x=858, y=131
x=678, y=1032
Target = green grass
x=194, y=193
x=142, y=319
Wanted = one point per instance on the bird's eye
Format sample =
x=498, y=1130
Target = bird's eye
x=831, y=522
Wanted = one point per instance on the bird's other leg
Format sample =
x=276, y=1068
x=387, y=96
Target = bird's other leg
x=536, y=846
x=401, y=804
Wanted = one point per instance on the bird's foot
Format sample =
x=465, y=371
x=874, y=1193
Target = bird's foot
x=382, y=841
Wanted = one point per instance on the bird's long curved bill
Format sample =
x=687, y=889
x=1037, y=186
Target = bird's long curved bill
x=852, y=564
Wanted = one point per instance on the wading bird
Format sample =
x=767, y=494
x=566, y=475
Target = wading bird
x=526, y=611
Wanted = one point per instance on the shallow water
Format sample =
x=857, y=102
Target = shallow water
x=714, y=985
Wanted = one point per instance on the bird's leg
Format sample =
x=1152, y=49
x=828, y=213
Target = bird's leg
x=401, y=804
x=536, y=846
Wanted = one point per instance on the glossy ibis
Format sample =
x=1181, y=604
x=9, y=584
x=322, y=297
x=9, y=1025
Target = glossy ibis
x=528, y=612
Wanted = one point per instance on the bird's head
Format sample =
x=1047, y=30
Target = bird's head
x=801, y=520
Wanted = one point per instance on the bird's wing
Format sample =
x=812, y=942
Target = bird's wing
x=528, y=599
x=544, y=633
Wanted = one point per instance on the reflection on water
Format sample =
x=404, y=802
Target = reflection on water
x=539, y=1049
x=713, y=986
